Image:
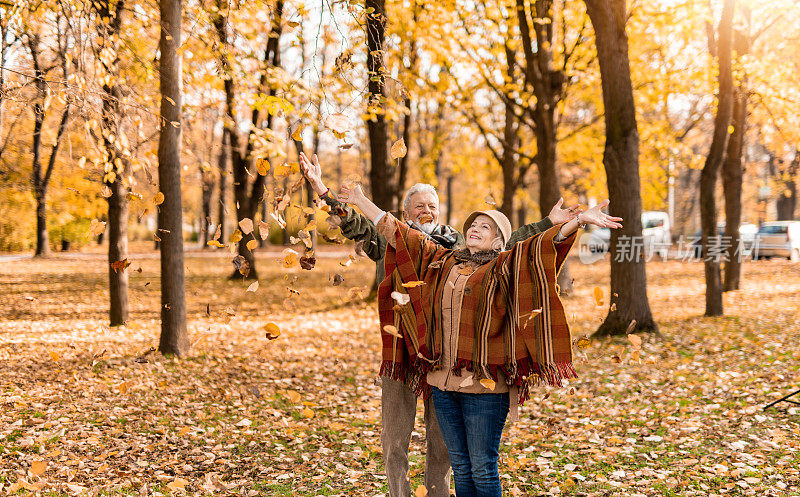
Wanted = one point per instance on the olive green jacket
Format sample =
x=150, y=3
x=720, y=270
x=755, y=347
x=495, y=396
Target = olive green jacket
x=357, y=227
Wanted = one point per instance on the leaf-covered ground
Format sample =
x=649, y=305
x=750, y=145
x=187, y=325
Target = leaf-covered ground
x=85, y=408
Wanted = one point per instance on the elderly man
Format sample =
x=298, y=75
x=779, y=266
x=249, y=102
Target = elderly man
x=398, y=402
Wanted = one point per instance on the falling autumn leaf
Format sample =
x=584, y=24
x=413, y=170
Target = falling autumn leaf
x=398, y=149
x=289, y=258
x=96, y=227
x=338, y=123
x=488, y=383
x=106, y=192
x=413, y=284
x=272, y=331
x=635, y=340
x=308, y=261
x=253, y=287
x=392, y=330
x=598, y=296
x=215, y=243
x=262, y=166
x=247, y=225
x=241, y=265
x=489, y=199
x=401, y=298
x=251, y=245
x=421, y=491
x=263, y=229
x=158, y=198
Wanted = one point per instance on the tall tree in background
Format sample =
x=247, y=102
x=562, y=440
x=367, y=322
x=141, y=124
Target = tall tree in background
x=547, y=83
x=621, y=161
x=716, y=155
x=110, y=15
x=42, y=103
x=174, y=337
x=248, y=194
x=381, y=173
x=732, y=168
x=787, y=199
x=222, y=166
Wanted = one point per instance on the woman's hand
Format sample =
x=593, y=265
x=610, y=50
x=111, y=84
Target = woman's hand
x=597, y=217
x=352, y=194
x=558, y=215
x=313, y=172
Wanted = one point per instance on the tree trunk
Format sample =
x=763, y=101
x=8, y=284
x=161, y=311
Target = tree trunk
x=381, y=173
x=714, y=159
x=621, y=161
x=732, y=172
x=174, y=337
x=222, y=165
x=208, y=191
x=787, y=201
x=117, y=251
x=108, y=31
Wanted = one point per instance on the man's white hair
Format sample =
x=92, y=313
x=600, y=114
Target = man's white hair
x=418, y=188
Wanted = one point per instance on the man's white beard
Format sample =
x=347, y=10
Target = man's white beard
x=428, y=227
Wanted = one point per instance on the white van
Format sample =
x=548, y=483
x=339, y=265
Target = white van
x=778, y=239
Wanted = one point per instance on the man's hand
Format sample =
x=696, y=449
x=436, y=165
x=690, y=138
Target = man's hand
x=313, y=172
x=558, y=215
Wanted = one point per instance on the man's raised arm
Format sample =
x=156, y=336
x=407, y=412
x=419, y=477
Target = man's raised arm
x=354, y=226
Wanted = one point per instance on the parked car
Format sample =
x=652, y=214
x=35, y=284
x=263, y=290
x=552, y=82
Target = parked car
x=778, y=239
x=655, y=233
x=747, y=234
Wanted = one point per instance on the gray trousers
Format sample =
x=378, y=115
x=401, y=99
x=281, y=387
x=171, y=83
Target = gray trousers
x=398, y=412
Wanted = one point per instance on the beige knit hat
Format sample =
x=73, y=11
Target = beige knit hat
x=499, y=219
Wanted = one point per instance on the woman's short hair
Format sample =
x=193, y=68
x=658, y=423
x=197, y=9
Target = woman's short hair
x=419, y=188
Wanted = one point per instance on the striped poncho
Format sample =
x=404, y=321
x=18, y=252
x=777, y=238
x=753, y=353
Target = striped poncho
x=512, y=319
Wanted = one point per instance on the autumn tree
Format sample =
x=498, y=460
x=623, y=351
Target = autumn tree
x=174, y=337
x=44, y=64
x=381, y=171
x=722, y=45
x=248, y=193
x=110, y=21
x=621, y=161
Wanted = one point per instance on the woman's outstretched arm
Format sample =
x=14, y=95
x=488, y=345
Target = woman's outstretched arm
x=594, y=216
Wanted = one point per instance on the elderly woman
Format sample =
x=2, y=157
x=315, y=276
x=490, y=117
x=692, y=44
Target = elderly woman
x=479, y=326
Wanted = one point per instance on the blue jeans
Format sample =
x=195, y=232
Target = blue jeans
x=471, y=425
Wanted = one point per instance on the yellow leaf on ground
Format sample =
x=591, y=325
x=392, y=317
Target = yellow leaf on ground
x=54, y=355
x=38, y=467
x=177, y=484
x=293, y=396
x=308, y=413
